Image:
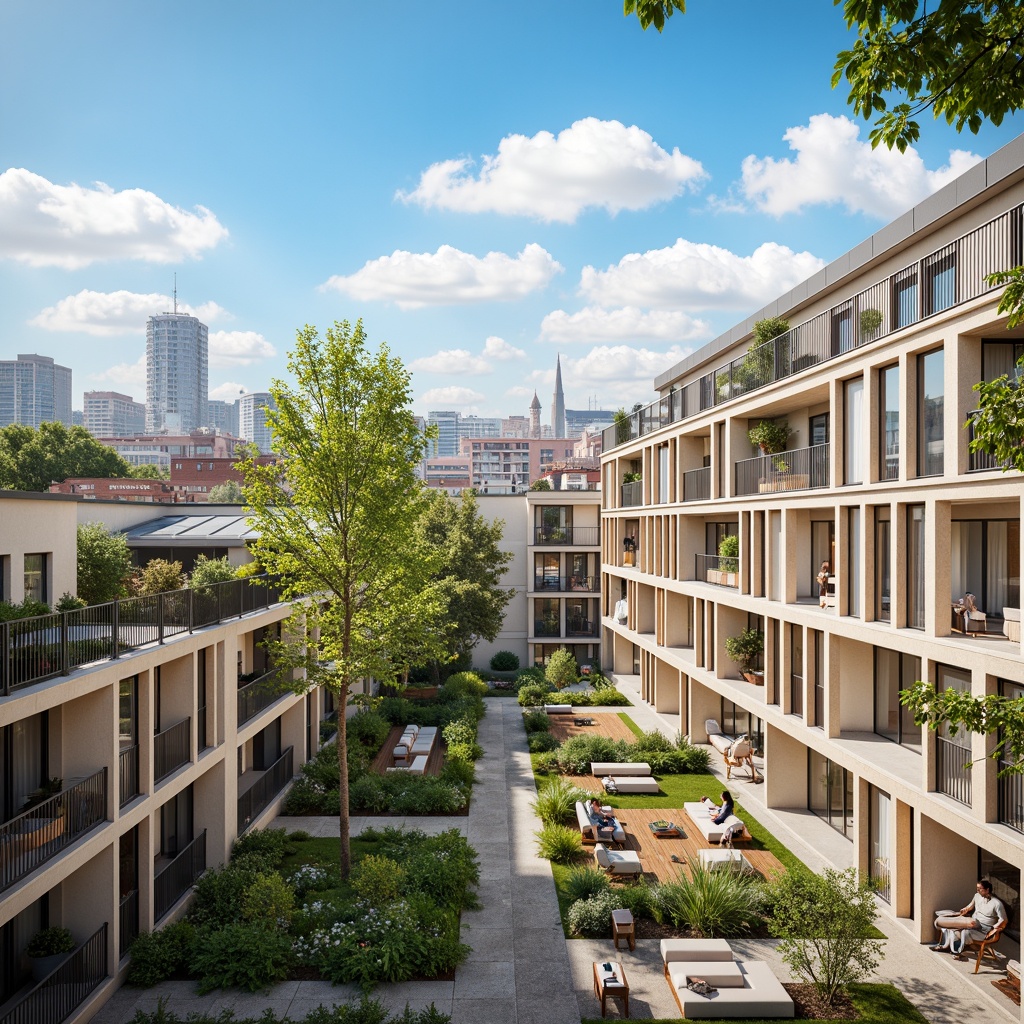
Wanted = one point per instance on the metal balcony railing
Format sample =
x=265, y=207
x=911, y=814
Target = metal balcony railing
x=59, y=994
x=257, y=798
x=943, y=279
x=43, y=647
x=952, y=770
x=172, y=749
x=722, y=570
x=254, y=697
x=1011, y=798
x=128, y=774
x=569, y=583
x=795, y=470
x=697, y=484
x=546, y=628
x=128, y=912
x=575, y=535
x=40, y=833
x=632, y=494
x=179, y=876
x=581, y=627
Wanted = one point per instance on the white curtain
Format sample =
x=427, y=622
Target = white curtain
x=853, y=566
x=996, y=593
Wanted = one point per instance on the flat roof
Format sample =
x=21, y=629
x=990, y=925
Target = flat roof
x=192, y=531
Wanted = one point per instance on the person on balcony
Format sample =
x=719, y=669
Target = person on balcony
x=983, y=918
x=822, y=578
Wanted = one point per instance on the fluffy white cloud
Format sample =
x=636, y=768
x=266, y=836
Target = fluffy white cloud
x=238, y=348
x=122, y=312
x=699, y=276
x=448, y=277
x=128, y=378
x=500, y=350
x=228, y=391
x=451, y=397
x=556, y=177
x=519, y=391
x=70, y=226
x=463, y=362
x=626, y=324
x=832, y=165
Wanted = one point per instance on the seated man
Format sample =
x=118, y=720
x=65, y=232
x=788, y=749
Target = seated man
x=983, y=918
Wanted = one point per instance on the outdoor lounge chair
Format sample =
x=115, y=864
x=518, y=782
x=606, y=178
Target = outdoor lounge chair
x=986, y=951
x=617, y=862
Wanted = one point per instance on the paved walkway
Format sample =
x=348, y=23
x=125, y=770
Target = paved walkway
x=521, y=970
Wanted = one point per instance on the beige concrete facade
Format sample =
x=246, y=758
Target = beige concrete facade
x=877, y=479
x=157, y=734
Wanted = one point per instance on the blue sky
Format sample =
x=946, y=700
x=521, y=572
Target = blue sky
x=485, y=185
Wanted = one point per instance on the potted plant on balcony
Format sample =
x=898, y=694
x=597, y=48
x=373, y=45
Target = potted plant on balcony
x=770, y=436
x=48, y=949
x=728, y=560
x=870, y=321
x=747, y=650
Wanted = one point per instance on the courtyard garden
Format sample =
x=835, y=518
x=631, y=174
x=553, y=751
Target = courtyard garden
x=280, y=910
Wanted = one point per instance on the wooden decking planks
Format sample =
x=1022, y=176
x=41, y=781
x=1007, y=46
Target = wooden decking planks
x=610, y=725
x=385, y=760
x=656, y=854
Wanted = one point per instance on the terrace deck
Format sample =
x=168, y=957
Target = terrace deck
x=562, y=726
x=384, y=760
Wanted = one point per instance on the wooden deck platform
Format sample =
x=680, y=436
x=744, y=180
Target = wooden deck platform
x=656, y=853
x=562, y=726
x=384, y=759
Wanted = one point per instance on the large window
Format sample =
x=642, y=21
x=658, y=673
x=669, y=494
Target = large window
x=842, y=329
x=35, y=578
x=895, y=671
x=883, y=564
x=547, y=616
x=985, y=554
x=854, y=447
x=663, y=476
x=880, y=838
x=889, y=425
x=796, y=669
x=738, y=722
x=23, y=763
x=817, y=640
x=176, y=829
x=940, y=281
x=904, y=298
x=916, y=558
x=547, y=567
x=930, y=410
x=854, y=542
x=831, y=792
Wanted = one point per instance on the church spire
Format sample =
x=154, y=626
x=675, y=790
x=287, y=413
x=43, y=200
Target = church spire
x=558, y=402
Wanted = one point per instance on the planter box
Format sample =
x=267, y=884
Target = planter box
x=784, y=482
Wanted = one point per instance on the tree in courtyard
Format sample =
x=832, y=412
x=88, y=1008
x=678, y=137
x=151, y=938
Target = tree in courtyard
x=104, y=564
x=31, y=459
x=824, y=922
x=208, y=571
x=227, y=493
x=469, y=571
x=158, y=576
x=561, y=671
x=338, y=522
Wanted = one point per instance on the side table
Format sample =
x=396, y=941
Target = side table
x=611, y=985
x=623, y=927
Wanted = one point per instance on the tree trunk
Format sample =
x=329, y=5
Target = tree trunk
x=345, y=853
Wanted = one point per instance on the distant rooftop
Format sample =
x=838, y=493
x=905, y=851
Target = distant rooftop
x=231, y=531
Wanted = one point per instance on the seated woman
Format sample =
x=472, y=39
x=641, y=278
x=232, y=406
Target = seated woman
x=604, y=823
x=719, y=814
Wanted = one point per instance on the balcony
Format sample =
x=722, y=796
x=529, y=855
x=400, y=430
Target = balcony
x=567, y=583
x=546, y=628
x=1011, y=798
x=259, y=694
x=46, y=646
x=577, y=627
x=952, y=770
x=128, y=912
x=128, y=774
x=178, y=877
x=879, y=310
x=632, y=494
x=795, y=470
x=584, y=536
x=37, y=835
x=60, y=993
x=171, y=749
x=258, y=796
x=697, y=484
x=978, y=462
x=722, y=570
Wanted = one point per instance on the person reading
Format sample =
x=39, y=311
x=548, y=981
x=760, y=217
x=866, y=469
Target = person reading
x=983, y=918
x=718, y=813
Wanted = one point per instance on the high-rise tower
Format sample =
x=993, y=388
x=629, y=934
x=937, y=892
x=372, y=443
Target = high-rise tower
x=177, y=382
x=33, y=390
x=558, y=403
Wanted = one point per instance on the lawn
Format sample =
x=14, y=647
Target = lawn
x=877, y=1004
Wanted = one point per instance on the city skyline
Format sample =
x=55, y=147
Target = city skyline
x=538, y=214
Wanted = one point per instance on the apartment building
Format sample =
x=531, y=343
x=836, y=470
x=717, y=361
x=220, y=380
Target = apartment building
x=874, y=379
x=111, y=414
x=138, y=739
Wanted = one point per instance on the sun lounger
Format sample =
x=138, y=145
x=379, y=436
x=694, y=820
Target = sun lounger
x=698, y=814
x=617, y=862
x=602, y=768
